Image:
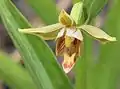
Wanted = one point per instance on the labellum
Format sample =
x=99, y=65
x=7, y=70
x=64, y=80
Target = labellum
x=68, y=45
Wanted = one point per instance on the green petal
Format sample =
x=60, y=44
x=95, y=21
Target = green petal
x=65, y=19
x=77, y=12
x=47, y=33
x=97, y=33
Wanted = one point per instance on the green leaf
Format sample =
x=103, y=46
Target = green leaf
x=77, y=13
x=47, y=33
x=109, y=66
x=85, y=66
x=46, y=9
x=45, y=70
x=14, y=75
x=94, y=7
x=97, y=33
x=76, y=1
x=0, y=20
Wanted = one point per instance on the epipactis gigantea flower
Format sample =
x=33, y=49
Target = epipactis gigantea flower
x=68, y=35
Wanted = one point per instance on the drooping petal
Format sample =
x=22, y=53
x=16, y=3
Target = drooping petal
x=75, y=33
x=65, y=19
x=61, y=33
x=97, y=33
x=60, y=45
x=60, y=42
x=47, y=32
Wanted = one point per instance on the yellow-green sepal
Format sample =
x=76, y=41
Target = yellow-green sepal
x=97, y=33
x=65, y=19
x=47, y=33
x=77, y=13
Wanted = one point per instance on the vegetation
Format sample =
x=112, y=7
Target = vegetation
x=44, y=72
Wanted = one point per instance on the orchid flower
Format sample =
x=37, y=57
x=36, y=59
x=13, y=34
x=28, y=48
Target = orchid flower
x=68, y=35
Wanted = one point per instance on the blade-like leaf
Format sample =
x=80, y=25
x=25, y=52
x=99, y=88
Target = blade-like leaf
x=109, y=66
x=14, y=75
x=44, y=70
x=46, y=9
x=76, y=1
x=47, y=32
x=84, y=61
x=97, y=33
x=85, y=64
x=94, y=7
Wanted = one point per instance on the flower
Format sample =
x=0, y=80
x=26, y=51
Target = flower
x=68, y=36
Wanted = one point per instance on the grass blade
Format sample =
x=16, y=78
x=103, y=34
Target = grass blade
x=109, y=66
x=46, y=9
x=94, y=7
x=85, y=64
x=42, y=68
x=14, y=75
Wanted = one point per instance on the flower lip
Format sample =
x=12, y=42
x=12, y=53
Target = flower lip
x=75, y=33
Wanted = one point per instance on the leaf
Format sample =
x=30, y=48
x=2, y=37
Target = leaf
x=94, y=7
x=33, y=50
x=0, y=21
x=84, y=62
x=47, y=32
x=97, y=33
x=84, y=68
x=76, y=1
x=109, y=66
x=46, y=9
x=77, y=13
x=14, y=75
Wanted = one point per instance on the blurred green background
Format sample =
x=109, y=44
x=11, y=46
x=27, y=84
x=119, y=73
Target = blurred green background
x=99, y=66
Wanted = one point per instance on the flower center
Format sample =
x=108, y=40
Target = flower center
x=68, y=41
